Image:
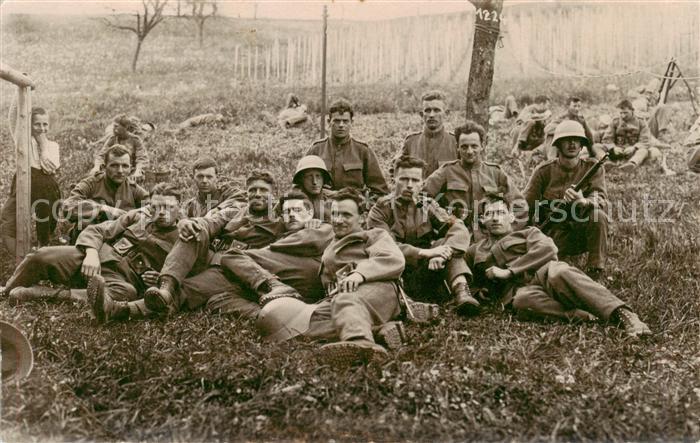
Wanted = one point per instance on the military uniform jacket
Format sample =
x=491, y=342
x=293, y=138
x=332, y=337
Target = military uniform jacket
x=132, y=237
x=235, y=227
x=454, y=185
x=352, y=164
x=524, y=252
x=373, y=252
x=623, y=133
x=94, y=191
x=550, y=180
x=223, y=197
x=435, y=149
x=414, y=228
x=304, y=242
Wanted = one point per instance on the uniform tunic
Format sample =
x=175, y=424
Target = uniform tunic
x=435, y=149
x=222, y=197
x=351, y=163
x=415, y=228
x=588, y=231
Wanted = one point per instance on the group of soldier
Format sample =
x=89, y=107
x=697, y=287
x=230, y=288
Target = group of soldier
x=342, y=258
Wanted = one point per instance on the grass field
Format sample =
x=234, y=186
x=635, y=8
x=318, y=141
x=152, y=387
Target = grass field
x=203, y=378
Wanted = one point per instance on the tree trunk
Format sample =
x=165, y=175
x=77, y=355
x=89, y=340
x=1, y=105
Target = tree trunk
x=488, y=21
x=139, y=41
x=200, y=27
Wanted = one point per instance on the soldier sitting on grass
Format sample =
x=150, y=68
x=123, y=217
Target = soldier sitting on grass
x=211, y=194
x=520, y=268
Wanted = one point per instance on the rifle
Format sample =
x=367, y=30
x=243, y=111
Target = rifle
x=576, y=187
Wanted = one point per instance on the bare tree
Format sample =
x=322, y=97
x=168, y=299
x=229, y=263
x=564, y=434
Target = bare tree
x=146, y=20
x=200, y=15
x=488, y=24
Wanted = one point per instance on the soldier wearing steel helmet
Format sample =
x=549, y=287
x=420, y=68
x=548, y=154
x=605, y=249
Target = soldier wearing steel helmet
x=313, y=179
x=583, y=225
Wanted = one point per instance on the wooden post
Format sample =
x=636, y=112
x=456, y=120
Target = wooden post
x=23, y=140
x=323, y=71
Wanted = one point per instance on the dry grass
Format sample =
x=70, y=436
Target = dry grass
x=198, y=377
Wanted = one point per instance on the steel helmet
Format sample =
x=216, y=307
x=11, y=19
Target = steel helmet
x=17, y=354
x=311, y=162
x=570, y=128
x=284, y=318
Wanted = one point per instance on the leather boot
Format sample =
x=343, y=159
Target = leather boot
x=104, y=308
x=465, y=303
x=162, y=299
x=38, y=293
x=630, y=322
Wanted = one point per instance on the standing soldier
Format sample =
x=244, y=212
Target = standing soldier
x=432, y=242
x=434, y=145
x=520, y=268
x=210, y=193
x=628, y=138
x=106, y=195
x=44, y=161
x=312, y=178
x=120, y=258
x=583, y=227
x=351, y=163
x=460, y=184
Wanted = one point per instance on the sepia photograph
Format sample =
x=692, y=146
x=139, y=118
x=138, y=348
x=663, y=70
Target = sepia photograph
x=349, y=220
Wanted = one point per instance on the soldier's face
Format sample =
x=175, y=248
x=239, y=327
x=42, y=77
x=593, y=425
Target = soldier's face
x=164, y=210
x=259, y=192
x=340, y=124
x=569, y=147
x=312, y=182
x=575, y=108
x=497, y=218
x=345, y=218
x=469, y=148
x=117, y=169
x=40, y=124
x=205, y=179
x=409, y=182
x=433, y=114
x=296, y=213
x=626, y=114
x=119, y=130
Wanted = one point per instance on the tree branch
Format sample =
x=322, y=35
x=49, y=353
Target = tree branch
x=120, y=27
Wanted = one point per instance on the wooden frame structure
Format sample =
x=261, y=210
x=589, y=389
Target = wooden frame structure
x=23, y=140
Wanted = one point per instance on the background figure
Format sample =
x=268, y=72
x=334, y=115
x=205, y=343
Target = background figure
x=44, y=160
x=293, y=114
x=126, y=131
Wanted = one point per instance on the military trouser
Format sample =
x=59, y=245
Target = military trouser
x=422, y=284
x=588, y=235
x=694, y=160
x=62, y=264
x=220, y=292
x=354, y=315
x=562, y=291
x=188, y=257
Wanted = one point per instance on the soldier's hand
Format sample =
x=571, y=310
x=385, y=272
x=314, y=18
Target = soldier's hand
x=150, y=277
x=188, y=229
x=91, y=264
x=47, y=165
x=616, y=151
x=112, y=212
x=350, y=282
x=436, y=263
x=314, y=223
x=571, y=195
x=628, y=151
x=41, y=140
x=445, y=252
x=496, y=273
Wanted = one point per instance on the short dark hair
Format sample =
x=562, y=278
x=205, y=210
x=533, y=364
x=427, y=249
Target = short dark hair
x=434, y=94
x=489, y=199
x=541, y=99
x=37, y=110
x=625, y=104
x=408, y=161
x=573, y=99
x=341, y=106
x=295, y=194
x=260, y=175
x=353, y=194
x=469, y=127
x=205, y=162
x=116, y=151
x=122, y=119
x=167, y=189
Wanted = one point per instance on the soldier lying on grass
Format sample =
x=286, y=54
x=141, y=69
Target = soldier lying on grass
x=120, y=258
x=520, y=269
